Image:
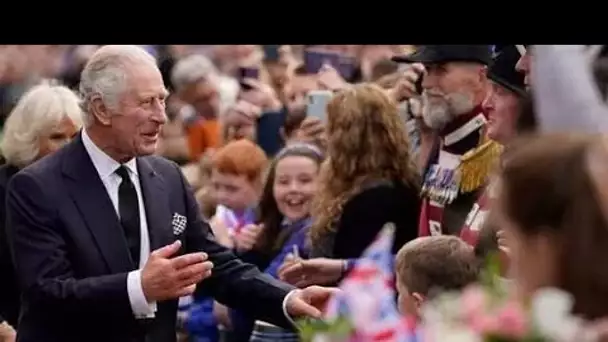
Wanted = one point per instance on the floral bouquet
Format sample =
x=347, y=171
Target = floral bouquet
x=484, y=312
x=474, y=315
x=365, y=309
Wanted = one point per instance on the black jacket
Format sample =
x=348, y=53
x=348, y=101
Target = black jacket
x=72, y=259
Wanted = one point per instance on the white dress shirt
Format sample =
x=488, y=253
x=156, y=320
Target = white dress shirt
x=106, y=168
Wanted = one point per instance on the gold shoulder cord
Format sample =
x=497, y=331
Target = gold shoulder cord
x=476, y=165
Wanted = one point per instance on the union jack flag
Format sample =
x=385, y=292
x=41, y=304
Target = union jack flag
x=367, y=298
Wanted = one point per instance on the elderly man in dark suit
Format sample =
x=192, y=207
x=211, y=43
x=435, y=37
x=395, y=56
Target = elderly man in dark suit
x=106, y=237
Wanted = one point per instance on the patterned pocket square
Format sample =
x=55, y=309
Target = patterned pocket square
x=179, y=223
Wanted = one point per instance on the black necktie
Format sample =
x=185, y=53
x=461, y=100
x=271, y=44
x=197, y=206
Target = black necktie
x=128, y=208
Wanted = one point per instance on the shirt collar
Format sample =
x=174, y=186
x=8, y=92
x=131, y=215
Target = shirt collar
x=103, y=163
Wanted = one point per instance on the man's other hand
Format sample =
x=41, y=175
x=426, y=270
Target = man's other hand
x=164, y=277
x=309, y=302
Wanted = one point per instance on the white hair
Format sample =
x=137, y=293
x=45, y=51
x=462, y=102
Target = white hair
x=105, y=74
x=38, y=111
x=438, y=114
x=192, y=69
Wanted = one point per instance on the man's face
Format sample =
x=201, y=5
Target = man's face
x=204, y=97
x=449, y=90
x=502, y=106
x=525, y=65
x=140, y=114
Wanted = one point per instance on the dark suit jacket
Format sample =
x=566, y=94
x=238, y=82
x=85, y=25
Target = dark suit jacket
x=9, y=291
x=72, y=259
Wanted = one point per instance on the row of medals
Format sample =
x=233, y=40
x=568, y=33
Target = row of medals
x=441, y=184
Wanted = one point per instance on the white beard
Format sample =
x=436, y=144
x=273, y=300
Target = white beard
x=442, y=111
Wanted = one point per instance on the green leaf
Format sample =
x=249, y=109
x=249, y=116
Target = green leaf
x=309, y=328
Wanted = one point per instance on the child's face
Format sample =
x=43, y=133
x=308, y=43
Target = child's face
x=409, y=303
x=232, y=191
x=295, y=185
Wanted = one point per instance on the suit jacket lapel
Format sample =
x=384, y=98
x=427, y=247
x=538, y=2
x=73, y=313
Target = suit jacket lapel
x=156, y=200
x=93, y=202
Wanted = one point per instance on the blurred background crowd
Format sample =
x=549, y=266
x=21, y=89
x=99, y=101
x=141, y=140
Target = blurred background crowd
x=299, y=182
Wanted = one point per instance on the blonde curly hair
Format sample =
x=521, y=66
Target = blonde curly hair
x=367, y=141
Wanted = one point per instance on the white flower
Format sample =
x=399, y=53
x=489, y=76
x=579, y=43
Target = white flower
x=452, y=333
x=446, y=307
x=551, y=314
x=321, y=338
x=327, y=338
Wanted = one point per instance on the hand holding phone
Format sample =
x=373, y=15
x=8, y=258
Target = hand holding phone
x=247, y=73
x=314, y=61
x=260, y=94
x=329, y=78
x=409, y=84
x=272, y=53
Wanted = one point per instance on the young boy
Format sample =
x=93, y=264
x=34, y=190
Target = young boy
x=237, y=172
x=429, y=264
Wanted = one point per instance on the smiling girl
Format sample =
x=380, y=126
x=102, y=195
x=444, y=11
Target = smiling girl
x=284, y=211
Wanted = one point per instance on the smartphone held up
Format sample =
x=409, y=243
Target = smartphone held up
x=315, y=59
x=247, y=73
x=317, y=101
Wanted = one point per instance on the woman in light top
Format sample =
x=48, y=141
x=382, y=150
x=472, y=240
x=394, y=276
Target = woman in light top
x=45, y=118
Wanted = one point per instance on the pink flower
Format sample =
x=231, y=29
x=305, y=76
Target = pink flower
x=484, y=324
x=512, y=321
x=474, y=302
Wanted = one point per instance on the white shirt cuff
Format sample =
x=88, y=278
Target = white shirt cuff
x=139, y=304
x=285, y=307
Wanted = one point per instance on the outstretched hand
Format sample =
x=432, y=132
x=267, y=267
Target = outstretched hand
x=318, y=271
x=309, y=302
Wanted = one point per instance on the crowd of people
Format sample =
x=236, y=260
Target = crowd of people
x=198, y=193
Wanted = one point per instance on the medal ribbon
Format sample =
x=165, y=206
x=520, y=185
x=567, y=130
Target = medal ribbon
x=470, y=230
x=441, y=185
x=431, y=217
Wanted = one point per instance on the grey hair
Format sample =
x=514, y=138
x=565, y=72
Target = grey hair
x=192, y=69
x=38, y=111
x=104, y=74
